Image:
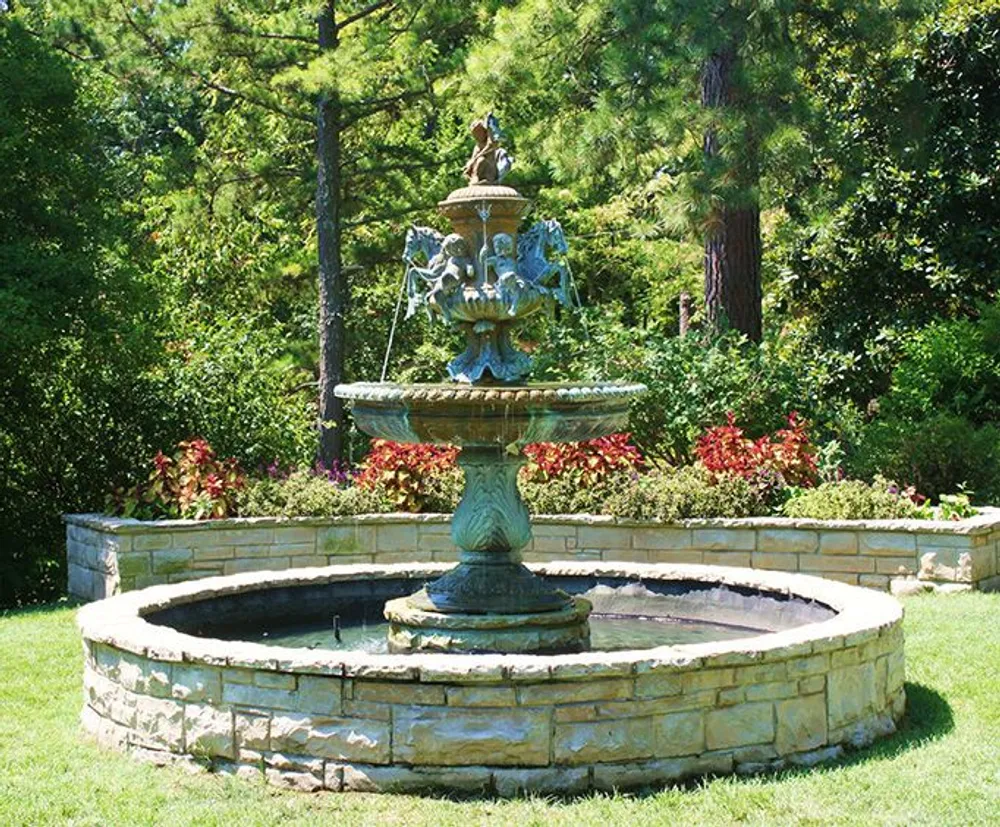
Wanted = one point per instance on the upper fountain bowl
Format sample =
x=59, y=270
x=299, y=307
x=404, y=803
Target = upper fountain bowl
x=490, y=415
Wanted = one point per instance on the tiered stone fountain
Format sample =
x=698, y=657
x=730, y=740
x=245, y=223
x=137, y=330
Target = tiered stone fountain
x=486, y=279
x=489, y=684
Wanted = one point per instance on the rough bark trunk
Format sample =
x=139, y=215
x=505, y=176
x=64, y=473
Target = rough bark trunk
x=732, y=242
x=333, y=289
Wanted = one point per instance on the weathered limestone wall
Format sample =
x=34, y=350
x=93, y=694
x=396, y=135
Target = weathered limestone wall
x=108, y=555
x=311, y=720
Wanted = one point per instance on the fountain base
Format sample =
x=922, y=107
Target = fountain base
x=415, y=628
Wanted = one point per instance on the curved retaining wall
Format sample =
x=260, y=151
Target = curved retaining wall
x=107, y=555
x=314, y=720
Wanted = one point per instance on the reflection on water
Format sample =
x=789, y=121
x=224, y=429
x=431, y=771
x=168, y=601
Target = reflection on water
x=607, y=633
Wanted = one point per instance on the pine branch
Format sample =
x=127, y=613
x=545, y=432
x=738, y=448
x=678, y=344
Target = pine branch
x=205, y=81
x=363, y=13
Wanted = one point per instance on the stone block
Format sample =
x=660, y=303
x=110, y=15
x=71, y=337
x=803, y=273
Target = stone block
x=274, y=680
x=208, y=731
x=681, y=733
x=727, y=558
x=133, y=563
x=878, y=582
x=621, y=740
x=295, y=535
x=739, y=726
x=772, y=691
x=257, y=696
x=658, y=684
x=665, y=556
x=824, y=563
x=851, y=694
x=838, y=542
x=787, y=540
x=396, y=537
x=343, y=739
x=556, y=781
x=252, y=731
x=152, y=541
x=724, y=539
x=546, y=544
x=801, y=724
x=399, y=693
x=319, y=695
x=146, y=677
x=604, y=537
x=775, y=562
x=657, y=538
x=658, y=772
x=196, y=683
x=501, y=696
x=708, y=679
x=303, y=782
x=256, y=564
x=573, y=692
x=159, y=723
x=449, y=735
x=171, y=560
x=802, y=667
x=887, y=543
x=346, y=539
x=371, y=779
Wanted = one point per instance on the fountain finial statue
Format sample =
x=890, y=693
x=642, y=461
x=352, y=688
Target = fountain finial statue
x=482, y=277
x=485, y=278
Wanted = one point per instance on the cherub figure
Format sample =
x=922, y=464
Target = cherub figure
x=489, y=162
x=504, y=265
x=448, y=270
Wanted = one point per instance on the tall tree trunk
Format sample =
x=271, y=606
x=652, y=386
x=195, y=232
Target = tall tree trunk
x=732, y=242
x=333, y=288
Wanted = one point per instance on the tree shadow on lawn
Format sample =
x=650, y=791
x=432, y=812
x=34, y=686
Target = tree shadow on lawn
x=42, y=608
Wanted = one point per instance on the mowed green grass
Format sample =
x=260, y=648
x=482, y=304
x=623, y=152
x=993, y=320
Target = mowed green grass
x=942, y=768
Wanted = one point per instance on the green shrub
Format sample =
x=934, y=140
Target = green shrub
x=853, y=500
x=690, y=491
x=565, y=495
x=303, y=494
x=938, y=455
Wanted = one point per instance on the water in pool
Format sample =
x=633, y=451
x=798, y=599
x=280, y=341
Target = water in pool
x=608, y=633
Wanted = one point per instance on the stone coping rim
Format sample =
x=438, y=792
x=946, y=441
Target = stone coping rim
x=119, y=622
x=517, y=396
x=983, y=523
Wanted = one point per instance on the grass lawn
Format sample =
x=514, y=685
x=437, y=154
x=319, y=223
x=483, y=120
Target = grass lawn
x=942, y=767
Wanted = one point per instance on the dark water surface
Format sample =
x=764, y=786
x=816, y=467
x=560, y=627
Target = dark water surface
x=608, y=633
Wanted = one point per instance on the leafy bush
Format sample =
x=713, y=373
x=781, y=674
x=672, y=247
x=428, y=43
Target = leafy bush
x=403, y=472
x=305, y=494
x=193, y=484
x=583, y=463
x=937, y=455
x=692, y=382
x=682, y=493
x=725, y=449
x=855, y=500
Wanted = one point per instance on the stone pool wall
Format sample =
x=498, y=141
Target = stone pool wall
x=312, y=720
x=107, y=555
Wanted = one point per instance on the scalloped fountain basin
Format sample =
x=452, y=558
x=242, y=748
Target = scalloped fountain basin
x=822, y=668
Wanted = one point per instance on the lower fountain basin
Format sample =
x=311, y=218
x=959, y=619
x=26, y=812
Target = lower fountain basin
x=822, y=667
x=487, y=415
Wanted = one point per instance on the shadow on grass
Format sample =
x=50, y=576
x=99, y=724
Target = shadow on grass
x=42, y=608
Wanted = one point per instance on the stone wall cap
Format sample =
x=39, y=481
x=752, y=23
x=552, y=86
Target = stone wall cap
x=986, y=521
x=119, y=622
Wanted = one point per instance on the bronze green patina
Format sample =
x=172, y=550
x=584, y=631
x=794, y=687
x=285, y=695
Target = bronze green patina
x=490, y=602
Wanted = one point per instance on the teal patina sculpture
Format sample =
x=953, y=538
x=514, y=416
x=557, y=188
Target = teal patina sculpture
x=485, y=278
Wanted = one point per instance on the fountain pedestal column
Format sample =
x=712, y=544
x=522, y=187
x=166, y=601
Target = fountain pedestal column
x=490, y=601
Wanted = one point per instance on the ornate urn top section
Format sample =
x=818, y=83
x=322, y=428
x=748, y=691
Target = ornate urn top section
x=484, y=277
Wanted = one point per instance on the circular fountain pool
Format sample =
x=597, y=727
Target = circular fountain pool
x=792, y=669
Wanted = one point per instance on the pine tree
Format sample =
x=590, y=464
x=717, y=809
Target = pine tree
x=699, y=104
